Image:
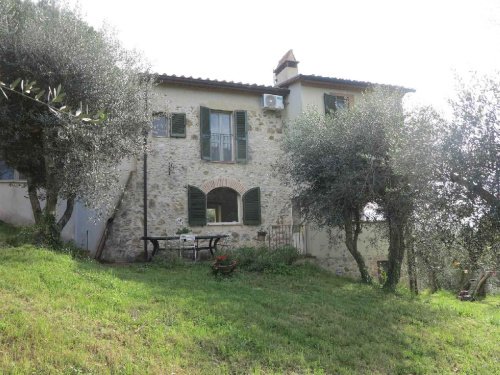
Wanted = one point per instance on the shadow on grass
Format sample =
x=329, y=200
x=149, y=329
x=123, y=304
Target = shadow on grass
x=308, y=320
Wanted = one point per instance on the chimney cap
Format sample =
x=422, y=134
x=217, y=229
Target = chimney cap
x=288, y=59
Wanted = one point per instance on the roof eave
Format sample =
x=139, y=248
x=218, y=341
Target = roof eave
x=220, y=85
x=328, y=81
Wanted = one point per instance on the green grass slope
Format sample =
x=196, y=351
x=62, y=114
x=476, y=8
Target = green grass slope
x=60, y=315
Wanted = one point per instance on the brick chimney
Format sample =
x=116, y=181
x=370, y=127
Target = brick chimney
x=286, y=69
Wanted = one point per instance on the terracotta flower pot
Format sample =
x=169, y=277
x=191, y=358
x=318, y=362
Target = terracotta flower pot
x=224, y=269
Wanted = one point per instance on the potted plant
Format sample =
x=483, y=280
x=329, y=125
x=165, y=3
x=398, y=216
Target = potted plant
x=183, y=230
x=223, y=265
x=261, y=234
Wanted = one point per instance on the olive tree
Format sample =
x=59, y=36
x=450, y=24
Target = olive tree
x=60, y=157
x=337, y=164
x=459, y=219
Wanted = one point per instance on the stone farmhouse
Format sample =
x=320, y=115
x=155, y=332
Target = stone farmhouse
x=209, y=168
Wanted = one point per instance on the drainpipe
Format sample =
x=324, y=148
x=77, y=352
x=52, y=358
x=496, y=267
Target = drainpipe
x=145, y=190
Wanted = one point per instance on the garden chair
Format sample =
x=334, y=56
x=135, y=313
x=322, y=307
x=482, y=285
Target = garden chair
x=187, y=242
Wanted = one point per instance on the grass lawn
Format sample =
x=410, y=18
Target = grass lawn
x=69, y=316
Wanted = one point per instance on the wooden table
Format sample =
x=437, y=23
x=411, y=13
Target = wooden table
x=213, y=239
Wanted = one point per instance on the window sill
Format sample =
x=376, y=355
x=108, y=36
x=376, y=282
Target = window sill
x=234, y=223
x=221, y=162
x=13, y=181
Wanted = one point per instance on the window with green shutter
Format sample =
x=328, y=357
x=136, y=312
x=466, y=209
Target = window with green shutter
x=335, y=102
x=223, y=135
x=178, y=125
x=251, y=207
x=173, y=125
x=197, y=206
x=205, y=133
x=241, y=135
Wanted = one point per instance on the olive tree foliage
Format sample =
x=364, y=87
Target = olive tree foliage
x=62, y=157
x=471, y=147
x=457, y=224
x=337, y=164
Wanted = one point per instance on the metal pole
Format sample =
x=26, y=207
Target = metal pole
x=145, y=187
x=145, y=198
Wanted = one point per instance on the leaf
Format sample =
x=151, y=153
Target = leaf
x=22, y=85
x=39, y=95
x=4, y=94
x=59, y=98
x=14, y=84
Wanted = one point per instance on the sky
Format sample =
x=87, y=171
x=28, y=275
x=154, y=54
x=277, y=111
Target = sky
x=417, y=44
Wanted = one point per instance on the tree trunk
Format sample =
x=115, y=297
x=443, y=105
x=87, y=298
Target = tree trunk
x=396, y=253
x=431, y=273
x=480, y=289
x=35, y=202
x=70, y=204
x=351, y=240
x=412, y=267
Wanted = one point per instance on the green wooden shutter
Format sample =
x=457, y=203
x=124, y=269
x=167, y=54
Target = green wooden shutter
x=197, y=206
x=330, y=105
x=251, y=207
x=241, y=127
x=178, y=125
x=205, y=133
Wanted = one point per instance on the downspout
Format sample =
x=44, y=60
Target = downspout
x=145, y=187
x=145, y=197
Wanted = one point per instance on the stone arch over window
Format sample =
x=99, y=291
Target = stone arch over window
x=223, y=182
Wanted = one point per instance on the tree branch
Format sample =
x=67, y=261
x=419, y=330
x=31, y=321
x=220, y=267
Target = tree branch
x=476, y=189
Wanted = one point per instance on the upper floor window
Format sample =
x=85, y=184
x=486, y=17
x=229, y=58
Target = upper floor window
x=335, y=102
x=223, y=135
x=173, y=125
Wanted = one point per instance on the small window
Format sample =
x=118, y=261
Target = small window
x=335, y=102
x=160, y=125
x=173, y=125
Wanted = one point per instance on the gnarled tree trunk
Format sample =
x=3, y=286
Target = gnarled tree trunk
x=352, y=231
x=412, y=266
x=396, y=251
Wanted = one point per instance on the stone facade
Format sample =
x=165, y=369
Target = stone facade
x=175, y=163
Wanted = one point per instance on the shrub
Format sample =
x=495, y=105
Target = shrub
x=263, y=259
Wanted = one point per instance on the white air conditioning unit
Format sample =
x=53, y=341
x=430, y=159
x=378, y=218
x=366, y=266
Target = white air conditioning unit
x=274, y=102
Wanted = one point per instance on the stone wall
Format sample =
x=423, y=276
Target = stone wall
x=329, y=247
x=175, y=163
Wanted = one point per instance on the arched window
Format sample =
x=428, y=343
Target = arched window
x=222, y=205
